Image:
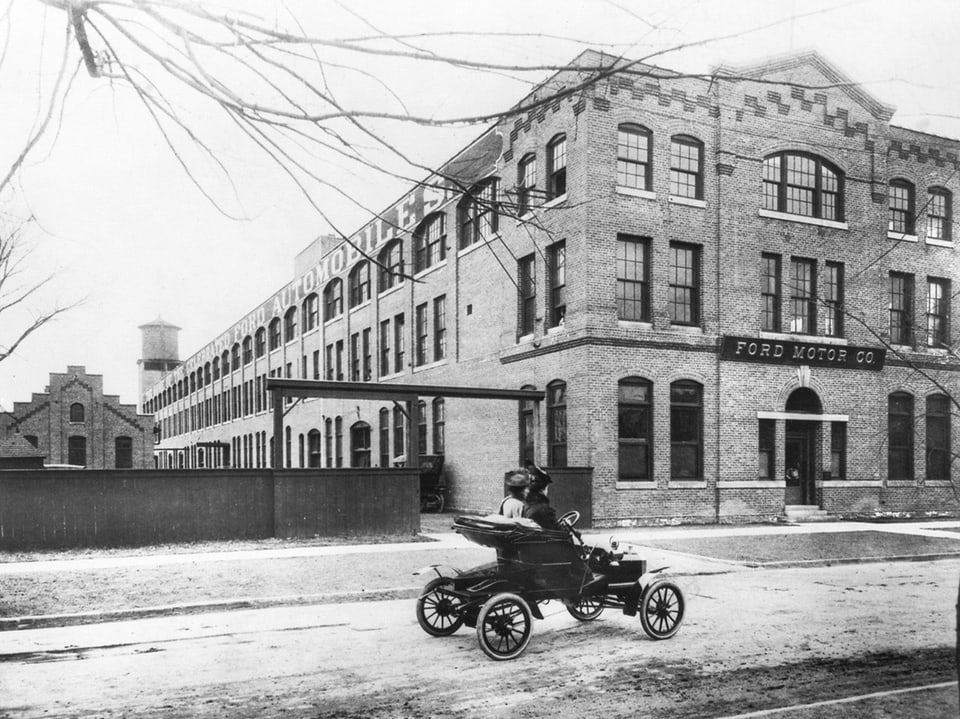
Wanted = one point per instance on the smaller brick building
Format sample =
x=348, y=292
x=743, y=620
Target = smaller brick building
x=74, y=422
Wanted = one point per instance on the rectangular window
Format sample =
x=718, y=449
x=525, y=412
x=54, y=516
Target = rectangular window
x=686, y=430
x=838, y=450
x=526, y=183
x=803, y=296
x=329, y=362
x=399, y=442
x=439, y=328
x=355, y=357
x=766, y=445
x=685, y=172
x=557, y=424
x=938, y=215
x=938, y=296
x=633, y=157
x=938, y=437
x=339, y=359
x=833, y=299
x=557, y=168
x=420, y=327
x=900, y=436
x=770, y=292
x=901, y=308
x=557, y=279
x=316, y=364
x=384, y=348
x=683, y=298
x=900, y=196
x=633, y=278
x=367, y=359
x=399, y=343
x=385, y=438
x=635, y=430
x=526, y=295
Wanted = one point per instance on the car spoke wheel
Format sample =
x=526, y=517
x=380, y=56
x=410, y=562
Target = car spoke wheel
x=438, y=610
x=661, y=610
x=504, y=626
x=585, y=609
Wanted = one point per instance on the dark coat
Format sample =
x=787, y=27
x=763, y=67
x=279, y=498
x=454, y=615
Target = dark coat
x=537, y=507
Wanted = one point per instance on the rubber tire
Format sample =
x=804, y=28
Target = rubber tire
x=661, y=609
x=505, y=608
x=431, y=621
x=577, y=612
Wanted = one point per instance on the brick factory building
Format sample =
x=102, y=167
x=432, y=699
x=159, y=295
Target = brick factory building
x=736, y=291
x=72, y=422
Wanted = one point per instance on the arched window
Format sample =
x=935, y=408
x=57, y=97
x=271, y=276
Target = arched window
x=360, y=445
x=900, y=436
x=225, y=362
x=557, y=167
x=686, y=430
x=399, y=441
x=260, y=342
x=193, y=382
x=391, y=265
x=478, y=213
x=557, y=424
x=333, y=299
x=300, y=450
x=311, y=312
x=338, y=441
x=805, y=400
x=384, y=416
x=798, y=183
x=247, y=349
x=634, y=157
x=235, y=356
x=635, y=429
x=328, y=443
x=526, y=183
x=288, y=447
x=940, y=214
x=439, y=425
x=421, y=427
x=902, y=207
x=686, y=167
x=290, y=324
x=526, y=423
x=314, y=456
x=430, y=242
x=274, y=337
x=359, y=283
x=938, y=437
x=123, y=453
x=77, y=412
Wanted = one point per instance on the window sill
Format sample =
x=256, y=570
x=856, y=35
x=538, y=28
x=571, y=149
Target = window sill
x=938, y=483
x=803, y=219
x=638, y=484
x=395, y=375
x=636, y=192
x=688, y=484
x=358, y=307
x=788, y=337
x=939, y=243
x=478, y=244
x=390, y=290
x=901, y=237
x=901, y=483
x=327, y=323
x=430, y=365
x=686, y=329
x=635, y=324
x=751, y=484
x=688, y=201
x=555, y=201
x=841, y=483
x=430, y=269
x=555, y=330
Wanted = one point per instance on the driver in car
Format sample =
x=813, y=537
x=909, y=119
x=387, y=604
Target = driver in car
x=536, y=504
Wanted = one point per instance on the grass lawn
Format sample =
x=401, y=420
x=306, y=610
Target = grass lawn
x=792, y=548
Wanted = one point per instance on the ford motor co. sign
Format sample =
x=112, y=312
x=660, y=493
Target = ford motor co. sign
x=753, y=349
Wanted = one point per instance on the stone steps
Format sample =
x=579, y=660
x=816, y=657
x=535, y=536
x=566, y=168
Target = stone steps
x=804, y=513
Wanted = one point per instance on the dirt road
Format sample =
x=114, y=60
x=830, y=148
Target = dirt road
x=752, y=639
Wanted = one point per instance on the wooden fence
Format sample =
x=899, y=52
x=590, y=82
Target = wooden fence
x=99, y=508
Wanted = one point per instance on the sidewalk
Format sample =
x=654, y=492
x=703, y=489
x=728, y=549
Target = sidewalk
x=61, y=591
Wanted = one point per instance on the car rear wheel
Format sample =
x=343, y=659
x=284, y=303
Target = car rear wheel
x=585, y=609
x=438, y=609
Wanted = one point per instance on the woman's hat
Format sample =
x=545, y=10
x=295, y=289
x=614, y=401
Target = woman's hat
x=518, y=479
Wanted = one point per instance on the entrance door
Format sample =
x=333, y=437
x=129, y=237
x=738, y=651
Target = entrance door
x=800, y=460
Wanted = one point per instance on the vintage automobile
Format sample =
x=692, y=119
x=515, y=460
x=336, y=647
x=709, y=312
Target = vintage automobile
x=534, y=566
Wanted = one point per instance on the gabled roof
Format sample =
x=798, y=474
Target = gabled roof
x=833, y=75
x=15, y=445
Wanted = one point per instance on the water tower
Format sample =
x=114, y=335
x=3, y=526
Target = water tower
x=160, y=352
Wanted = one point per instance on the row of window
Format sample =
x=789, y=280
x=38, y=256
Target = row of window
x=77, y=447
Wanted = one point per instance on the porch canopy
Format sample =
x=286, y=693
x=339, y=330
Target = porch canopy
x=409, y=393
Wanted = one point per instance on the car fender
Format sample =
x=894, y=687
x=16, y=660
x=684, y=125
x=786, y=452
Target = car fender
x=440, y=570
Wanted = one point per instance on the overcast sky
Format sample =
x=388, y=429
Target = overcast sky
x=122, y=226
